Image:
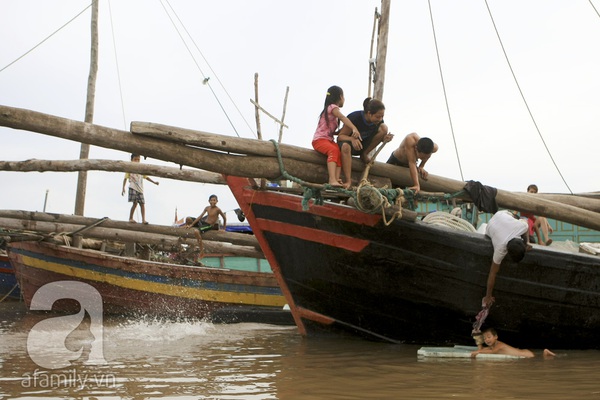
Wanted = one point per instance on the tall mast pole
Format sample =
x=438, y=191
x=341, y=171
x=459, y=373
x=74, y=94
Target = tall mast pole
x=89, y=110
x=382, y=42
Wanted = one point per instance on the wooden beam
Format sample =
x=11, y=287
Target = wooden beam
x=32, y=217
x=113, y=166
x=127, y=236
x=266, y=167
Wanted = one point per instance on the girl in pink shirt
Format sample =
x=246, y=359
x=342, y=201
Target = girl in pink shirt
x=327, y=127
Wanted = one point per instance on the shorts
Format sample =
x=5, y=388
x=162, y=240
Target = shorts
x=330, y=149
x=366, y=142
x=394, y=161
x=135, y=196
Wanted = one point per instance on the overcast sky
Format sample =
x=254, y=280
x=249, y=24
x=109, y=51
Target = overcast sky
x=309, y=45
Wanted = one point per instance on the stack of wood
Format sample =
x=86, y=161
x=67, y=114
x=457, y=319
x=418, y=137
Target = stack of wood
x=67, y=229
x=260, y=159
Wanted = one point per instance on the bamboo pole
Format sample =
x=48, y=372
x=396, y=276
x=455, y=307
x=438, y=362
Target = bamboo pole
x=382, y=44
x=31, y=218
x=256, y=107
x=281, y=125
x=371, y=60
x=127, y=236
x=89, y=109
x=113, y=166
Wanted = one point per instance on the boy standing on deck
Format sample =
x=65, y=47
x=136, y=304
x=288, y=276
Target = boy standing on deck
x=136, y=190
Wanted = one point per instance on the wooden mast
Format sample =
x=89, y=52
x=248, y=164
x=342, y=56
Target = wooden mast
x=89, y=110
x=382, y=39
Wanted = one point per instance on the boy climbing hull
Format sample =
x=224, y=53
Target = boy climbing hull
x=344, y=271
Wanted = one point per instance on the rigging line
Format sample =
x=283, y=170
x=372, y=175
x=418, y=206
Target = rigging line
x=444, y=89
x=206, y=80
x=48, y=37
x=595, y=9
x=112, y=28
x=209, y=67
x=524, y=100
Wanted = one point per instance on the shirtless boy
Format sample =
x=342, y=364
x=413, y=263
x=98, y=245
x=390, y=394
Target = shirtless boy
x=211, y=221
x=212, y=215
x=411, y=149
x=490, y=336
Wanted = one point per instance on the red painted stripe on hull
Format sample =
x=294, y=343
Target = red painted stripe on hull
x=313, y=235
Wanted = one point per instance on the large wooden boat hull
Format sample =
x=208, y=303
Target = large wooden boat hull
x=133, y=286
x=343, y=271
x=8, y=281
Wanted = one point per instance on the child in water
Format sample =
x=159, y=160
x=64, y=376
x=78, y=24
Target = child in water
x=494, y=346
x=328, y=125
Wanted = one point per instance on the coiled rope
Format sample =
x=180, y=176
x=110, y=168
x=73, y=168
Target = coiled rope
x=367, y=198
x=448, y=220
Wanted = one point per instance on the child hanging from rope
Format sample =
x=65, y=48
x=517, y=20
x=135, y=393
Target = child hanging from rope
x=328, y=125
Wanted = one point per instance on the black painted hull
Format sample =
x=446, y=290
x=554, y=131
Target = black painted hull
x=345, y=272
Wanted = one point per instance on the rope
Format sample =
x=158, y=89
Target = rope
x=437, y=52
x=48, y=37
x=64, y=236
x=8, y=294
x=372, y=200
x=479, y=320
x=311, y=190
x=367, y=198
x=412, y=199
x=525, y=100
x=448, y=220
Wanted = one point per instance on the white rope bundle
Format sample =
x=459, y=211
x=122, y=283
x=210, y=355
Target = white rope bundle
x=449, y=220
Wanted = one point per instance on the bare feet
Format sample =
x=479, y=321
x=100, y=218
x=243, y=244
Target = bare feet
x=145, y=222
x=347, y=185
x=132, y=220
x=548, y=353
x=548, y=242
x=335, y=184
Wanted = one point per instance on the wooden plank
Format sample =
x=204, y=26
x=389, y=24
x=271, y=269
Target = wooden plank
x=127, y=236
x=30, y=218
x=113, y=166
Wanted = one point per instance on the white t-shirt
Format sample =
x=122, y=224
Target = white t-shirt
x=502, y=228
x=136, y=181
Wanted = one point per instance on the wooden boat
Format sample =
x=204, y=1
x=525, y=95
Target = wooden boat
x=129, y=285
x=8, y=282
x=344, y=271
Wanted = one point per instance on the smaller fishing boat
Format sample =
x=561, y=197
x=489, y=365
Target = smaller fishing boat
x=133, y=286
